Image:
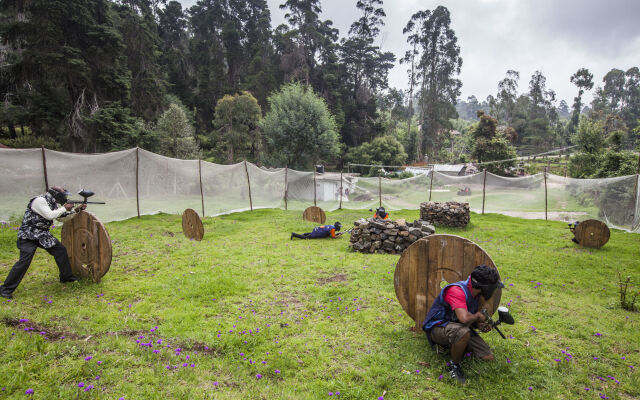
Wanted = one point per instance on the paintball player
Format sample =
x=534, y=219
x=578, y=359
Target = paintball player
x=454, y=314
x=34, y=233
x=381, y=213
x=319, y=232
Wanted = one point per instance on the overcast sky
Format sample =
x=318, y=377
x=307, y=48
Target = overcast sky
x=554, y=37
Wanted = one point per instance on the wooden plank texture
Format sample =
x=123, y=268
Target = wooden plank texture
x=592, y=233
x=314, y=214
x=88, y=246
x=429, y=264
x=192, y=224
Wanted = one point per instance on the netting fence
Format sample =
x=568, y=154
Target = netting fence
x=137, y=182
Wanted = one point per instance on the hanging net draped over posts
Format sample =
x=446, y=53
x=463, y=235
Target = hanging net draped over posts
x=21, y=178
x=111, y=176
x=171, y=185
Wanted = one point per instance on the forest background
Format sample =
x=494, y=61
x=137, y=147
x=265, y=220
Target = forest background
x=217, y=81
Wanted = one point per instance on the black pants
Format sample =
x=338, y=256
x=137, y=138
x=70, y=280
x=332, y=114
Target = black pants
x=27, y=251
x=303, y=236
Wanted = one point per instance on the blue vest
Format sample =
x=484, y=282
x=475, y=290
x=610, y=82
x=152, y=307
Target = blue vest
x=441, y=313
x=322, y=231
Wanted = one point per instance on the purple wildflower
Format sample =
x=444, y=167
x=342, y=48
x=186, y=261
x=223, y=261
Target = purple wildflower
x=277, y=371
x=597, y=334
x=81, y=384
x=330, y=393
x=28, y=391
x=87, y=358
x=215, y=383
x=530, y=388
x=258, y=376
x=440, y=377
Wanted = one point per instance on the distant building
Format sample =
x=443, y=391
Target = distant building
x=447, y=169
x=327, y=187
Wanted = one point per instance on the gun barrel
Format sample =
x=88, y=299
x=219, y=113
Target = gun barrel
x=86, y=202
x=495, y=326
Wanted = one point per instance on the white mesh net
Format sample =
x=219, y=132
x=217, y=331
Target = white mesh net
x=172, y=185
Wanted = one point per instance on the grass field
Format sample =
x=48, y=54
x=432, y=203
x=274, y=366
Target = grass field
x=249, y=314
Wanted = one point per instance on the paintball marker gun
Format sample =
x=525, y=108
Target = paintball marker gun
x=86, y=194
x=503, y=316
x=342, y=233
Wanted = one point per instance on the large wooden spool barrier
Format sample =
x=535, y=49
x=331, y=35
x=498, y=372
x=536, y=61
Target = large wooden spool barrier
x=429, y=264
x=592, y=233
x=192, y=225
x=314, y=214
x=88, y=246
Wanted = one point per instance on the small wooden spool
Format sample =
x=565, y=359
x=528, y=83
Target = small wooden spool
x=88, y=246
x=428, y=264
x=314, y=214
x=192, y=225
x=592, y=233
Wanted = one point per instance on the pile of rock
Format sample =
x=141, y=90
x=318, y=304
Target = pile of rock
x=387, y=236
x=450, y=213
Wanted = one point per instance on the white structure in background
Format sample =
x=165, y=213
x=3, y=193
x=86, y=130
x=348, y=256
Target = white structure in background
x=327, y=187
x=447, y=169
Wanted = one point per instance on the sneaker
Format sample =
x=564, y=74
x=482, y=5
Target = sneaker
x=6, y=295
x=455, y=371
x=70, y=279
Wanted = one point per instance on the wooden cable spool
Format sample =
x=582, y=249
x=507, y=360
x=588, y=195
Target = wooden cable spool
x=192, y=225
x=592, y=233
x=88, y=246
x=314, y=214
x=429, y=264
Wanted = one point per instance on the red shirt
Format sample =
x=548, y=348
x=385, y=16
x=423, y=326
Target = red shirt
x=455, y=297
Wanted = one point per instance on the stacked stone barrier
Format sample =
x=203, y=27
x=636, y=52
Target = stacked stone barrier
x=387, y=236
x=450, y=213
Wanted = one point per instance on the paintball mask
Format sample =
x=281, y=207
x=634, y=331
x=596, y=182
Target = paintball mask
x=59, y=194
x=380, y=211
x=338, y=226
x=487, y=289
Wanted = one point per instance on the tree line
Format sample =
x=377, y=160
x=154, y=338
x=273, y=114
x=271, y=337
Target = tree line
x=218, y=81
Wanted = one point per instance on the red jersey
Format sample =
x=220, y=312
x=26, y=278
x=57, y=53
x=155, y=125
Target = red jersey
x=454, y=296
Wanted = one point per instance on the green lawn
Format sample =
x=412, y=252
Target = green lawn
x=258, y=316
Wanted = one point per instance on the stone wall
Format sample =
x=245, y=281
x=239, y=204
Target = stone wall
x=450, y=213
x=387, y=236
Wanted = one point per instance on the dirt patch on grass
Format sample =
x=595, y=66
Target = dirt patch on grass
x=333, y=278
x=32, y=326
